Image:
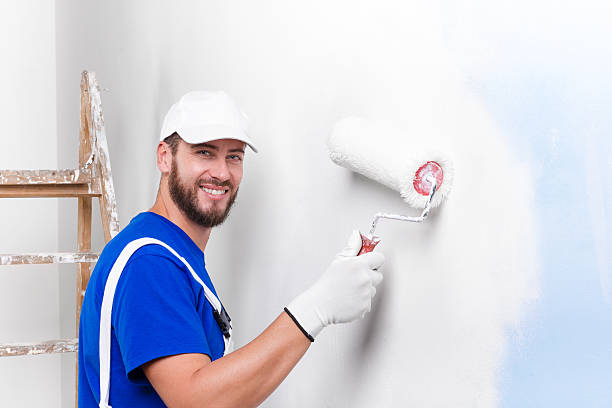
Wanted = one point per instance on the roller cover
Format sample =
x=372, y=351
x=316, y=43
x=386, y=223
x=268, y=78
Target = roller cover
x=388, y=156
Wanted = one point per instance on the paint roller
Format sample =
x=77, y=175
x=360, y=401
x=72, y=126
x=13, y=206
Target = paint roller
x=422, y=177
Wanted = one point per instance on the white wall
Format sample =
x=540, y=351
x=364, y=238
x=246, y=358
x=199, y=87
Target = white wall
x=453, y=286
x=518, y=94
x=29, y=295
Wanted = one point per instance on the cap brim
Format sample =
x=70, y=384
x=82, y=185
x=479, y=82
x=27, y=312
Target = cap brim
x=208, y=133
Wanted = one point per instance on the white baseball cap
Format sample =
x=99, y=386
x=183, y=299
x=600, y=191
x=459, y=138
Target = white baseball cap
x=201, y=116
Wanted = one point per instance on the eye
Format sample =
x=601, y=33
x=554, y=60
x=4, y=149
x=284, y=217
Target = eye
x=204, y=152
x=235, y=157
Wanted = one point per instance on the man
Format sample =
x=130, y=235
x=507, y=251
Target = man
x=153, y=332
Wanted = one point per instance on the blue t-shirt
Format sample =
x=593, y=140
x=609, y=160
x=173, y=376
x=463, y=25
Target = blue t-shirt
x=158, y=310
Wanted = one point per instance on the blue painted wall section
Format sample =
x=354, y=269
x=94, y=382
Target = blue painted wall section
x=562, y=354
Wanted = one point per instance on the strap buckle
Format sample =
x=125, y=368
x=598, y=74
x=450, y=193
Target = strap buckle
x=223, y=320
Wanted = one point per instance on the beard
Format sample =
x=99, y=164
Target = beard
x=186, y=200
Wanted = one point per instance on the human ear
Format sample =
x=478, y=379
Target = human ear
x=164, y=157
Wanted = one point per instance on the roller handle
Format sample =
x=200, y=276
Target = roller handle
x=367, y=244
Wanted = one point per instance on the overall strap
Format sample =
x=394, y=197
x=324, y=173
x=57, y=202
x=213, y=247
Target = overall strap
x=107, y=306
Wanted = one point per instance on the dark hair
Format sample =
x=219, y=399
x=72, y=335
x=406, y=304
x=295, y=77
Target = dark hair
x=173, y=141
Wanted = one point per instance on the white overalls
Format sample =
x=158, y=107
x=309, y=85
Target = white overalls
x=107, y=306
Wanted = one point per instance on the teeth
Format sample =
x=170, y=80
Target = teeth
x=215, y=192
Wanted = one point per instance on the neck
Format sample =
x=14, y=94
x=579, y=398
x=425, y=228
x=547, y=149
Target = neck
x=165, y=207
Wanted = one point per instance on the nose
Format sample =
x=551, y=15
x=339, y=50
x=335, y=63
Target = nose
x=219, y=169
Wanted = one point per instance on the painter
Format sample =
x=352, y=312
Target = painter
x=153, y=330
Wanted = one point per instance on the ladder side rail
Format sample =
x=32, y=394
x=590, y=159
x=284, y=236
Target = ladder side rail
x=97, y=134
x=84, y=203
x=87, y=157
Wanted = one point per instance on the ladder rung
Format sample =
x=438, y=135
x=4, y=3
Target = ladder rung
x=48, y=258
x=46, y=347
x=48, y=190
x=64, y=176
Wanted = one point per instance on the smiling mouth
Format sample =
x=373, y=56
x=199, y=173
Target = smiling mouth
x=215, y=193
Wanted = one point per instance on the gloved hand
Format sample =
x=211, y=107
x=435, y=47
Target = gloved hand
x=343, y=293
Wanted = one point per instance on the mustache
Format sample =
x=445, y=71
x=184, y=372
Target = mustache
x=216, y=182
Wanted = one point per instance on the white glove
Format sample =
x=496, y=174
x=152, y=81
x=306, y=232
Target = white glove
x=342, y=294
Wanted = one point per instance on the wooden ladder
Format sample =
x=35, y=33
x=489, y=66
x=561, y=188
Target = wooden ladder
x=91, y=179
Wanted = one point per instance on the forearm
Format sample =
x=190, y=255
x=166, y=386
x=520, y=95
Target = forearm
x=247, y=376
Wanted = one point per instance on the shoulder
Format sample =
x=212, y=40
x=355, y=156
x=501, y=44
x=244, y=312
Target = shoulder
x=142, y=228
x=156, y=260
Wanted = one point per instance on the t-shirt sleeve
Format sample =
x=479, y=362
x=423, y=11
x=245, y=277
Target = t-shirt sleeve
x=154, y=312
